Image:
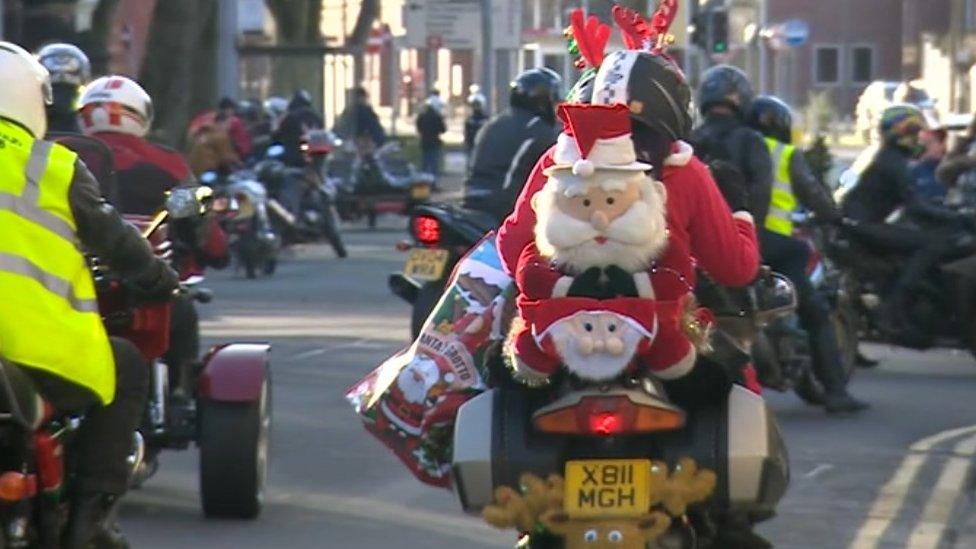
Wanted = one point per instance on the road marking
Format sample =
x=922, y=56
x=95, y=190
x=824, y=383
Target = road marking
x=363, y=342
x=890, y=499
x=938, y=511
x=818, y=470
x=308, y=354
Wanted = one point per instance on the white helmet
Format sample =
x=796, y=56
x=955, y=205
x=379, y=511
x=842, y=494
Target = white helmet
x=66, y=63
x=115, y=104
x=26, y=89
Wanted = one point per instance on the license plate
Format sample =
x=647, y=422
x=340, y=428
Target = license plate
x=608, y=488
x=426, y=264
x=420, y=192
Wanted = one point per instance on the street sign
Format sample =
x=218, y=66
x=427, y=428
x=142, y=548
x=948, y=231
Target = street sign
x=458, y=23
x=796, y=32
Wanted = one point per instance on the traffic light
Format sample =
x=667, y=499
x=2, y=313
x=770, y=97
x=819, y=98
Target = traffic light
x=718, y=31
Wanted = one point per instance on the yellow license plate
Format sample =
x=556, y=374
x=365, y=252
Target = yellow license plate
x=420, y=192
x=426, y=264
x=608, y=488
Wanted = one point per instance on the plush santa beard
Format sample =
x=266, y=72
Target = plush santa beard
x=417, y=379
x=634, y=239
x=603, y=352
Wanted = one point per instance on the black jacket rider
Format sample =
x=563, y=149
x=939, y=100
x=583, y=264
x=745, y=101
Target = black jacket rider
x=809, y=191
x=505, y=152
x=724, y=136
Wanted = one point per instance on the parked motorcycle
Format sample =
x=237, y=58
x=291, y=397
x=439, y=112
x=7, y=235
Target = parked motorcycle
x=253, y=241
x=440, y=235
x=374, y=181
x=601, y=436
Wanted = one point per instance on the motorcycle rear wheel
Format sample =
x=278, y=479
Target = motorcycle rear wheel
x=234, y=442
x=809, y=388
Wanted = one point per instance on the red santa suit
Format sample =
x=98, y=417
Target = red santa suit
x=703, y=234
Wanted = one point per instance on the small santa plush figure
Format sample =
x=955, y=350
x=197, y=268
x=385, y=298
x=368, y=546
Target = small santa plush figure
x=597, y=287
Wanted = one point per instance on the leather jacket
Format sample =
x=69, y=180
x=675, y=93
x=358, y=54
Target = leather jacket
x=506, y=150
x=811, y=193
x=103, y=232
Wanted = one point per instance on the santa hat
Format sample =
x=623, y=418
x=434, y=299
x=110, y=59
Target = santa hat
x=596, y=137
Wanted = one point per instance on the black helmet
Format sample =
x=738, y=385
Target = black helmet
x=725, y=85
x=771, y=117
x=66, y=63
x=652, y=86
x=537, y=91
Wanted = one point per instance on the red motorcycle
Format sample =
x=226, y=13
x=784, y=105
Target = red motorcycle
x=228, y=410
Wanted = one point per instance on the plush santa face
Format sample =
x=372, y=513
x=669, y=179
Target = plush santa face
x=595, y=345
x=608, y=218
x=418, y=379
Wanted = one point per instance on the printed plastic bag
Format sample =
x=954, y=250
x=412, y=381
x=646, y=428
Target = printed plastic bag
x=409, y=402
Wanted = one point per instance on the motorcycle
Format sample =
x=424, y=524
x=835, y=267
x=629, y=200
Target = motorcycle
x=440, y=235
x=228, y=410
x=252, y=239
x=603, y=435
x=229, y=417
x=941, y=306
x=301, y=210
x=375, y=181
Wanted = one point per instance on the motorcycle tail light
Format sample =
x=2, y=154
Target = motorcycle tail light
x=16, y=486
x=427, y=230
x=609, y=416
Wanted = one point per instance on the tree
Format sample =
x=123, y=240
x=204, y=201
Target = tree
x=179, y=71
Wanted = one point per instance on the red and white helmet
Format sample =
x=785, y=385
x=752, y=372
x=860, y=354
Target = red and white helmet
x=115, y=104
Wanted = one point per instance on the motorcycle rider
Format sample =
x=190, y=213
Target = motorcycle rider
x=70, y=70
x=884, y=186
x=794, y=185
x=508, y=146
x=49, y=321
x=118, y=112
x=736, y=154
x=300, y=118
x=700, y=222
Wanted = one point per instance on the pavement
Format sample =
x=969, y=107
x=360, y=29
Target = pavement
x=899, y=475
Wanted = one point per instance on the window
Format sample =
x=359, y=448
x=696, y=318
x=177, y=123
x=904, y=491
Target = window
x=827, y=65
x=862, y=64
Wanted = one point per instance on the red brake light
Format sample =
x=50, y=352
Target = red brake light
x=427, y=230
x=608, y=416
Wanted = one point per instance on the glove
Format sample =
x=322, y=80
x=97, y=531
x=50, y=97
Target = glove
x=588, y=284
x=620, y=283
x=161, y=286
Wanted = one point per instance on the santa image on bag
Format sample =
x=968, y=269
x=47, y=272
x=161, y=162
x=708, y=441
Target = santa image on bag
x=596, y=288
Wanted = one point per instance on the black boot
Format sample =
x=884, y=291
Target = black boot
x=841, y=402
x=92, y=523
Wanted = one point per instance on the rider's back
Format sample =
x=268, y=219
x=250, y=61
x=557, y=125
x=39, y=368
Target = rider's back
x=881, y=188
x=145, y=172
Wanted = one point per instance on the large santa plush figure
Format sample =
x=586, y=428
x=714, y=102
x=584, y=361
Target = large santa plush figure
x=601, y=289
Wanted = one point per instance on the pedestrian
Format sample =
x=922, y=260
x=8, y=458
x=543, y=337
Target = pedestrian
x=359, y=121
x=430, y=128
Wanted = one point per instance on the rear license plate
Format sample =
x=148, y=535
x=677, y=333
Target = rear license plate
x=420, y=192
x=607, y=488
x=426, y=264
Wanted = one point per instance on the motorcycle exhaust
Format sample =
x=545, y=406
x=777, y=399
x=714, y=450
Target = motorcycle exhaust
x=281, y=211
x=137, y=455
x=160, y=392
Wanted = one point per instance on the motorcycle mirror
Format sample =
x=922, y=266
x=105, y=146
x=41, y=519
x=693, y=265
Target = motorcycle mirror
x=275, y=151
x=187, y=201
x=208, y=178
x=775, y=296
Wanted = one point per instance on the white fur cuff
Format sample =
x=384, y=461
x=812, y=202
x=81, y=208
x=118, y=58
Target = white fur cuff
x=744, y=216
x=561, y=289
x=682, y=157
x=644, y=287
x=679, y=369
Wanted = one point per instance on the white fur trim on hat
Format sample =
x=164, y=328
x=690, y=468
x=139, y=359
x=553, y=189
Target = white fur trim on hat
x=682, y=157
x=616, y=153
x=679, y=369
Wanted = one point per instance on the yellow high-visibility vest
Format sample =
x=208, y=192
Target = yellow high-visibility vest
x=783, y=201
x=49, y=317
